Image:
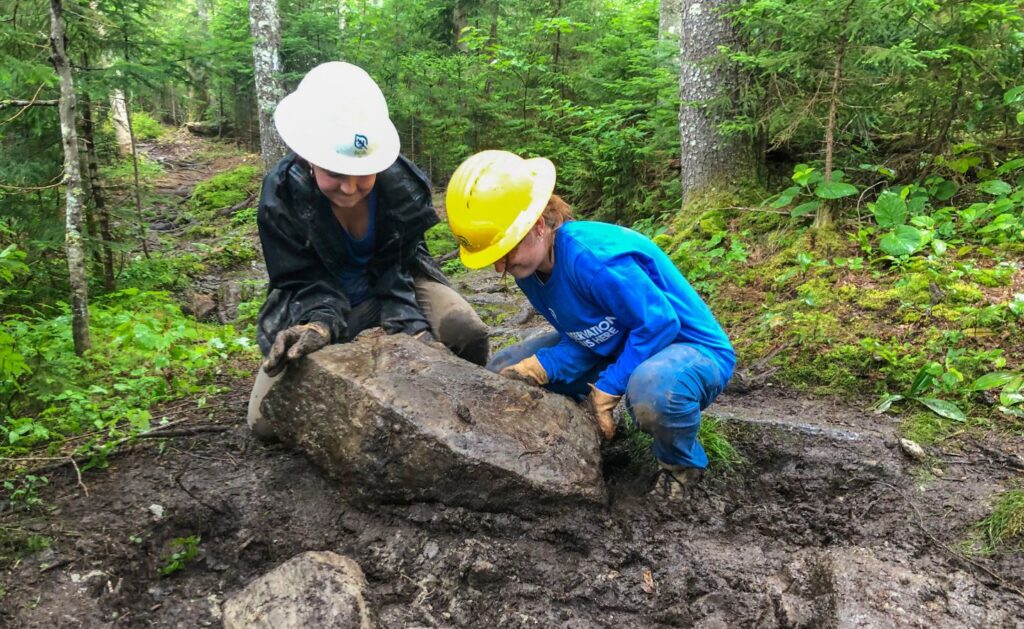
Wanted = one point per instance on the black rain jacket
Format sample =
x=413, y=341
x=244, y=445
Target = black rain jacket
x=304, y=251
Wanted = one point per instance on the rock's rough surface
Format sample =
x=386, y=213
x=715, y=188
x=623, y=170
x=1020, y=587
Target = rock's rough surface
x=314, y=589
x=397, y=420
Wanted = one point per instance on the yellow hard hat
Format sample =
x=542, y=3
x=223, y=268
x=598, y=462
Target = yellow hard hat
x=494, y=198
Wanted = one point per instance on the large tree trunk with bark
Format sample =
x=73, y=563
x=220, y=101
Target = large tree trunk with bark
x=266, y=34
x=73, y=240
x=709, y=161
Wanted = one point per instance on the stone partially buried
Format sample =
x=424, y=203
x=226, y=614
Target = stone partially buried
x=397, y=420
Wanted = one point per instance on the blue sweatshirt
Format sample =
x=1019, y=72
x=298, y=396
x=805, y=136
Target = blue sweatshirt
x=613, y=294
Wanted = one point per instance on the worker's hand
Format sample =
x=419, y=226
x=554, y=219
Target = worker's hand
x=427, y=338
x=600, y=406
x=295, y=342
x=528, y=370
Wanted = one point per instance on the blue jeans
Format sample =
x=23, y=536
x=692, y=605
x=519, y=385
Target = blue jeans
x=665, y=394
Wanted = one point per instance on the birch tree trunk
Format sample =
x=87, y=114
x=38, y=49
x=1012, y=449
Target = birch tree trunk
x=119, y=116
x=709, y=161
x=266, y=34
x=73, y=240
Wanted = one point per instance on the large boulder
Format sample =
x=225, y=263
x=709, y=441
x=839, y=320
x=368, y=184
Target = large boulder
x=398, y=420
x=314, y=589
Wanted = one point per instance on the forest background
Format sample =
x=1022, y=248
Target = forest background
x=842, y=181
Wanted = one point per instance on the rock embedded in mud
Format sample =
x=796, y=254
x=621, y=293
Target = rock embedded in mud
x=314, y=589
x=387, y=416
x=913, y=450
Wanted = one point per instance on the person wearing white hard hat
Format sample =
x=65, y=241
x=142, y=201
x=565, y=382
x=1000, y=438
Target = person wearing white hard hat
x=341, y=220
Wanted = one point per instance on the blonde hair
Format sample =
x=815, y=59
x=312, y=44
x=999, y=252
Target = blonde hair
x=556, y=212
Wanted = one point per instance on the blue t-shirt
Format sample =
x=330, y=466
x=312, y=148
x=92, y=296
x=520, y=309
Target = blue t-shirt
x=355, y=281
x=613, y=294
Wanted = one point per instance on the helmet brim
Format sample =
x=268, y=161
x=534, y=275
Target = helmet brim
x=298, y=123
x=544, y=176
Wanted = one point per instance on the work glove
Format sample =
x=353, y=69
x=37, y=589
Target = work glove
x=295, y=342
x=600, y=406
x=528, y=370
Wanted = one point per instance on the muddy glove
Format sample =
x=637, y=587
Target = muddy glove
x=293, y=343
x=528, y=370
x=600, y=406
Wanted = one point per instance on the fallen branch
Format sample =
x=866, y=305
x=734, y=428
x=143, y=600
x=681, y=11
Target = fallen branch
x=448, y=256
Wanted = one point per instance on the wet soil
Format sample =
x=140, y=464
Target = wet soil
x=827, y=524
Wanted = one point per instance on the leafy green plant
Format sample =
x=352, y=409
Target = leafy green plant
x=924, y=383
x=1011, y=390
x=145, y=127
x=184, y=551
x=225, y=190
x=23, y=491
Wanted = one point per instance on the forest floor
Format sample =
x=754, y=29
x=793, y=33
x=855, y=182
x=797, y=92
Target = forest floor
x=825, y=524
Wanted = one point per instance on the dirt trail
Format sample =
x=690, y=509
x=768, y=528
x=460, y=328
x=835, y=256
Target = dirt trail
x=828, y=525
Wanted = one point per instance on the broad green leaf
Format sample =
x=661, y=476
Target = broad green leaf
x=889, y=209
x=963, y=164
x=995, y=187
x=887, y=400
x=1014, y=95
x=786, y=197
x=925, y=377
x=939, y=247
x=834, y=190
x=945, y=190
x=946, y=409
x=902, y=241
x=1010, y=166
x=992, y=380
x=805, y=208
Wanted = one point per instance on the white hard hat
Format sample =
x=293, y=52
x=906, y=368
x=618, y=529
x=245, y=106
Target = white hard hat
x=337, y=119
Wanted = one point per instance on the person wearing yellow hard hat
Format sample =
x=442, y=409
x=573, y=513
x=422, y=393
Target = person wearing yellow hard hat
x=627, y=323
x=341, y=220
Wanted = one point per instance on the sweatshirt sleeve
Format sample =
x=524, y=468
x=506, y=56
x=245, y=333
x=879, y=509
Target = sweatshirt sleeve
x=566, y=361
x=623, y=287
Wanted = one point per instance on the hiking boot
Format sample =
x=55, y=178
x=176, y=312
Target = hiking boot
x=674, y=482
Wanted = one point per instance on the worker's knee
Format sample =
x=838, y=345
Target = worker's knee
x=462, y=330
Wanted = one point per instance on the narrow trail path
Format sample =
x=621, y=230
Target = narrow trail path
x=827, y=525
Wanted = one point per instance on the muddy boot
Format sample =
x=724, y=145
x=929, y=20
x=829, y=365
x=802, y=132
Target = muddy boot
x=675, y=482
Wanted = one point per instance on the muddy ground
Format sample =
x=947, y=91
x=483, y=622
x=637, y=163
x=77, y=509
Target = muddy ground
x=827, y=524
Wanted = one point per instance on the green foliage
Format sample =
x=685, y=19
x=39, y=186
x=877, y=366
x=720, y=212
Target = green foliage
x=184, y=551
x=145, y=128
x=721, y=453
x=23, y=491
x=1003, y=529
x=144, y=351
x=225, y=190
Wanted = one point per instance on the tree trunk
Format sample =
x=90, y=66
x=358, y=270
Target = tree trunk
x=266, y=29
x=823, y=218
x=460, y=20
x=99, y=202
x=73, y=240
x=709, y=162
x=669, y=19
x=143, y=229
x=119, y=117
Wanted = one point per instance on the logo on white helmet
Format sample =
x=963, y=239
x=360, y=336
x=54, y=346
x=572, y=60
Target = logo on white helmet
x=358, y=147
